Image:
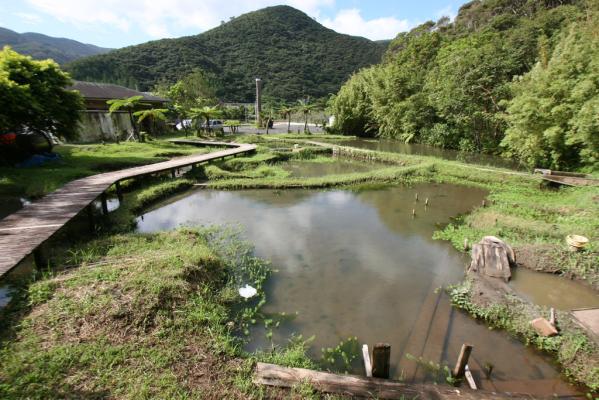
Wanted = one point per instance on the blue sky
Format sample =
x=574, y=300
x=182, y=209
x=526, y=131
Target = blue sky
x=118, y=23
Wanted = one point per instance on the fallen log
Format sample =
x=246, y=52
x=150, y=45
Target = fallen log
x=359, y=386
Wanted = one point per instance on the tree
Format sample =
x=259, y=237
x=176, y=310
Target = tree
x=286, y=112
x=196, y=89
x=233, y=125
x=33, y=96
x=128, y=104
x=153, y=114
x=553, y=118
x=205, y=113
x=305, y=108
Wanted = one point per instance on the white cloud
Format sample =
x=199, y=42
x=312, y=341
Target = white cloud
x=161, y=19
x=30, y=19
x=350, y=21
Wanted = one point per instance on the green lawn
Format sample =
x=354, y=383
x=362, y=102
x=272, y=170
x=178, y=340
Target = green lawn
x=78, y=161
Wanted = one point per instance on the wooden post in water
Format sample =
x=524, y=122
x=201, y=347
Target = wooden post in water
x=104, y=201
x=90, y=218
x=460, y=366
x=366, y=357
x=381, y=360
x=426, y=202
x=173, y=173
x=119, y=193
x=39, y=258
x=416, y=197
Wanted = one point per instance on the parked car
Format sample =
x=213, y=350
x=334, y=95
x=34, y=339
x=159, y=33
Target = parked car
x=215, y=124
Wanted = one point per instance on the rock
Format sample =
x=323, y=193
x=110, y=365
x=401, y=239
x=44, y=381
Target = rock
x=543, y=327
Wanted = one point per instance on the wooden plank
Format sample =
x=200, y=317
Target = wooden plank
x=23, y=231
x=360, y=386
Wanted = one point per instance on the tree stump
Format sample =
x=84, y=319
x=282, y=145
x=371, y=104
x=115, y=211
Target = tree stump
x=492, y=257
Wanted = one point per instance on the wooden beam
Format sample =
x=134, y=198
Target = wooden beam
x=381, y=360
x=360, y=386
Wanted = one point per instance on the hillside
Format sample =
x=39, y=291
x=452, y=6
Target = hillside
x=42, y=47
x=294, y=55
x=467, y=84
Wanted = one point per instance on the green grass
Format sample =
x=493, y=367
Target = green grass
x=143, y=316
x=160, y=191
x=78, y=161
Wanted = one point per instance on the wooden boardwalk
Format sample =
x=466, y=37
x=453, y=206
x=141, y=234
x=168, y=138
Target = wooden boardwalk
x=23, y=231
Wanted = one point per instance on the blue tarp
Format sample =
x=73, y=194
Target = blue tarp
x=38, y=159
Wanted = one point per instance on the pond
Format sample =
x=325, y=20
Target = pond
x=357, y=263
x=396, y=146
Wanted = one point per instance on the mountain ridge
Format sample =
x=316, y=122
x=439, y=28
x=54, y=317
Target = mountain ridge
x=40, y=46
x=294, y=55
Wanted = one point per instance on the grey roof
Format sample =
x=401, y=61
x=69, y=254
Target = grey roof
x=107, y=91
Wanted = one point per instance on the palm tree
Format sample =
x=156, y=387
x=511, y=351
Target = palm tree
x=305, y=108
x=154, y=114
x=205, y=113
x=286, y=112
x=129, y=104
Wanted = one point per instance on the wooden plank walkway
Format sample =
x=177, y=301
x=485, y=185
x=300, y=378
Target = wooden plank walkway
x=23, y=231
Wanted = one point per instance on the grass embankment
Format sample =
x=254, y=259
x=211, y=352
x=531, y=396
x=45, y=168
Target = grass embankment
x=142, y=316
x=577, y=354
x=78, y=161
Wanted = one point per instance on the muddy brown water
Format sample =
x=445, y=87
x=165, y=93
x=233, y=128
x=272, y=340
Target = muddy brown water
x=356, y=263
x=552, y=291
x=396, y=146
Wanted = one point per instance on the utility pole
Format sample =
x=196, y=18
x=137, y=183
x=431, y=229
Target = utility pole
x=258, y=100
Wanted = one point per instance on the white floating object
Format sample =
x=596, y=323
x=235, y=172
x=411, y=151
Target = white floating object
x=247, y=292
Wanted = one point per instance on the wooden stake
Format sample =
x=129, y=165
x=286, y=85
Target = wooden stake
x=466, y=245
x=90, y=218
x=484, y=203
x=104, y=201
x=119, y=193
x=381, y=360
x=460, y=366
x=426, y=202
x=470, y=378
x=416, y=197
x=39, y=259
x=552, y=320
x=413, y=212
x=366, y=357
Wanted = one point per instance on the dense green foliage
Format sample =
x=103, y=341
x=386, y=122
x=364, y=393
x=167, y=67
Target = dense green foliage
x=452, y=84
x=42, y=47
x=554, y=117
x=293, y=54
x=33, y=96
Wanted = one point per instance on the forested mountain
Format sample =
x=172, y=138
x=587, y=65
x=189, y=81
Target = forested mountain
x=42, y=47
x=525, y=67
x=293, y=54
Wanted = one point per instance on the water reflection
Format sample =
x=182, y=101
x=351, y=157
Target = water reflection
x=396, y=146
x=356, y=264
